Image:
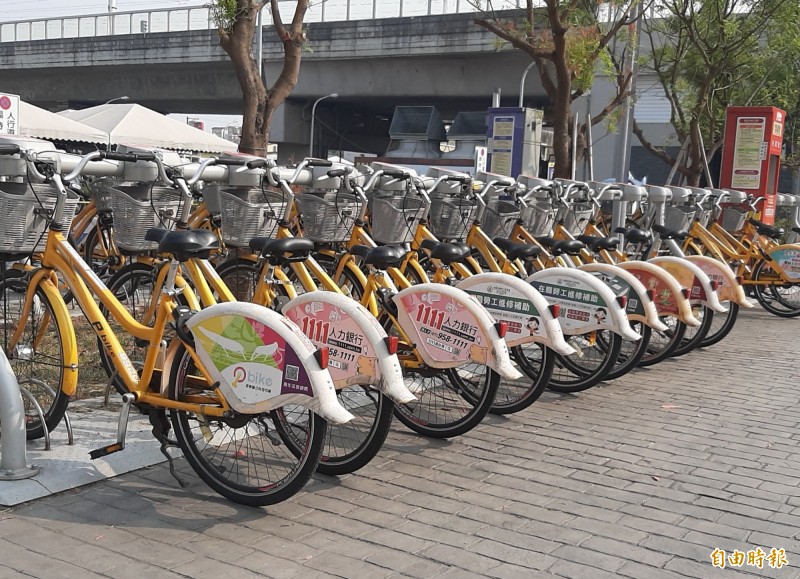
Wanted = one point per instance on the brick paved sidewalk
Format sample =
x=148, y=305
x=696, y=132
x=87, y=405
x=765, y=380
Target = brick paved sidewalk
x=643, y=478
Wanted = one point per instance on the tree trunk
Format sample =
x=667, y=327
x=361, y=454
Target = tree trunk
x=258, y=102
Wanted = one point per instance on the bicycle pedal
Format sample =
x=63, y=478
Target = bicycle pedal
x=106, y=450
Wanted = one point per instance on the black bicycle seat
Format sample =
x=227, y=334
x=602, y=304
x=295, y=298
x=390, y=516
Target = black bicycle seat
x=598, y=243
x=557, y=246
x=381, y=257
x=184, y=244
x=666, y=233
x=447, y=253
x=634, y=235
x=289, y=249
x=768, y=230
x=517, y=250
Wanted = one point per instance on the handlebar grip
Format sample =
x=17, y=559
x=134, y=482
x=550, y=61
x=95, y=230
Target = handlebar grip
x=396, y=174
x=457, y=178
x=9, y=149
x=311, y=162
x=231, y=162
x=127, y=157
x=338, y=172
x=256, y=163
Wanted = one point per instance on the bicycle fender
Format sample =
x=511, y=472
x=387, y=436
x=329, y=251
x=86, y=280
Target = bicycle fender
x=587, y=303
x=667, y=292
x=69, y=380
x=262, y=361
x=450, y=328
x=511, y=300
x=787, y=258
x=356, y=342
x=728, y=287
x=639, y=305
x=691, y=276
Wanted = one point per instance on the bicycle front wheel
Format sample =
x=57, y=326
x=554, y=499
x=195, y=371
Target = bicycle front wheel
x=38, y=359
x=242, y=457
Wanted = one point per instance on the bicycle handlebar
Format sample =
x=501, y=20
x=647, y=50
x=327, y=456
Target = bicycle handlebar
x=9, y=149
x=127, y=157
x=312, y=162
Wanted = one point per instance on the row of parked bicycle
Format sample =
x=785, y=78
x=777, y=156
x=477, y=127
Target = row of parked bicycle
x=446, y=296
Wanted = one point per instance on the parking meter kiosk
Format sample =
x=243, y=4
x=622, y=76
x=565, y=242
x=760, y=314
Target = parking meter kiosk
x=751, y=155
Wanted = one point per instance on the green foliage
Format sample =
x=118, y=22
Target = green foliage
x=224, y=13
x=717, y=53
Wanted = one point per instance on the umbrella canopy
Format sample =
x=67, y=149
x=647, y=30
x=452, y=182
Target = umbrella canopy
x=135, y=125
x=36, y=122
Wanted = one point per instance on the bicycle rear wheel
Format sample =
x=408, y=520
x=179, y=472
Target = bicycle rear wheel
x=631, y=353
x=242, y=458
x=663, y=344
x=694, y=336
x=38, y=360
x=778, y=298
x=596, y=355
x=351, y=446
x=721, y=326
x=536, y=362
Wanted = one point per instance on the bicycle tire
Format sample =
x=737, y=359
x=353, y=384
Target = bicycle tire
x=337, y=458
x=510, y=399
x=250, y=483
x=695, y=335
x=663, y=344
x=240, y=275
x=570, y=376
x=631, y=353
x=44, y=377
x=768, y=295
x=717, y=332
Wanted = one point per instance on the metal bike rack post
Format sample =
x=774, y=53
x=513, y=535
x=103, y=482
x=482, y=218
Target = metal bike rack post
x=13, y=464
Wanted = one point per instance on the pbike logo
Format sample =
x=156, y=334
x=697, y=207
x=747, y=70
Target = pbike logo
x=253, y=377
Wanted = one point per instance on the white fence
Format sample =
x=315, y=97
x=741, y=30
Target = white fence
x=199, y=18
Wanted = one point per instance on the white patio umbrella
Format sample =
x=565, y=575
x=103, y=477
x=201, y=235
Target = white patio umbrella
x=135, y=125
x=36, y=122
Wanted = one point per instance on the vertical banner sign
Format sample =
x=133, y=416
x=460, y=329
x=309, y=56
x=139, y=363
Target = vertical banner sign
x=9, y=114
x=502, y=145
x=750, y=151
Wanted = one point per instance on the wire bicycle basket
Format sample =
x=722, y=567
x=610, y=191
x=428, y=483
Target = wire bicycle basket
x=246, y=212
x=137, y=208
x=451, y=215
x=328, y=217
x=575, y=216
x=499, y=217
x=679, y=217
x=394, y=217
x=733, y=218
x=538, y=217
x=26, y=211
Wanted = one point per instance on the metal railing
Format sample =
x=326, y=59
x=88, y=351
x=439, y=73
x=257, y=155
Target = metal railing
x=200, y=18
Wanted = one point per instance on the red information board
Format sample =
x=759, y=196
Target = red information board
x=751, y=155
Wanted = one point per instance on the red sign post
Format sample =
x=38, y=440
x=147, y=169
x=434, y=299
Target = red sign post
x=751, y=154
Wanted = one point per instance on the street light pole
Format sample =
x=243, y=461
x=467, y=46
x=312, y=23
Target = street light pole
x=313, y=114
x=522, y=82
